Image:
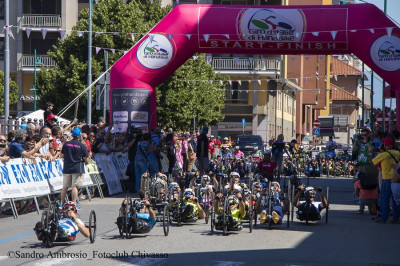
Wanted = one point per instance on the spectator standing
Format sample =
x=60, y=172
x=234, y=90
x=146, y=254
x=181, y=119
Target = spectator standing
x=141, y=159
x=387, y=159
x=202, y=151
x=50, y=122
x=169, y=147
x=192, y=145
x=3, y=149
x=48, y=111
x=184, y=152
x=134, y=135
x=363, y=148
x=368, y=197
x=75, y=156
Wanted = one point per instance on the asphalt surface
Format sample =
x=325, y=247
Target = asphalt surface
x=347, y=239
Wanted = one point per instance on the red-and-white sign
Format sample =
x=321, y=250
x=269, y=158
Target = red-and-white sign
x=379, y=119
x=317, y=123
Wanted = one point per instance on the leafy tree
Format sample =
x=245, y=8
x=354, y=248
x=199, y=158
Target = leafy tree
x=64, y=82
x=13, y=92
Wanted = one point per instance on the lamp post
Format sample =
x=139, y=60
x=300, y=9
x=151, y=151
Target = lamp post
x=89, y=77
x=34, y=89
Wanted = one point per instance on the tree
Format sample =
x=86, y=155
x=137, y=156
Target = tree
x=13, y=92
x=64, y=82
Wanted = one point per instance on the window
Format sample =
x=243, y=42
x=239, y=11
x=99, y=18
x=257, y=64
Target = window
x=1, y=48
x=237, y=93
x=1, y=9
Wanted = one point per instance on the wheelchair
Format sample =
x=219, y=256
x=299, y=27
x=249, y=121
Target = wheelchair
x=50, y=220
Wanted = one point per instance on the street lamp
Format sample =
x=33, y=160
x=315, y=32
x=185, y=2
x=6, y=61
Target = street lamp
x=34, y=89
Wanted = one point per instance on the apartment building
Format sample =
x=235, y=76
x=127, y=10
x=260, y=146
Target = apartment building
x=35, y=26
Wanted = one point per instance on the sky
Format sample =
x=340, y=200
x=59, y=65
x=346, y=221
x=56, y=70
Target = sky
x=393, y=11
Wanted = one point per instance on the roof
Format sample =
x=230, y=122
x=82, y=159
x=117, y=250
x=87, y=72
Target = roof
x=339, y=94
x=341, y=68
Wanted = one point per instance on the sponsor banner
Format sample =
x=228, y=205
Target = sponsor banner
x=25, y=178
x=130, y=107
x=107, y=167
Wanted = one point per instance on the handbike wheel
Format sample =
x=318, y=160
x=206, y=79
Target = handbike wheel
x=212, y=218
x=251, y=216
x=224, y=216
x=49, y=220
x=166, y=220
x=92, y=226
x=207, y=211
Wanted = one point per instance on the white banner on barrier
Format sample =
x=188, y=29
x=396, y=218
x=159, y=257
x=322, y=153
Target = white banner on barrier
x=24, y=178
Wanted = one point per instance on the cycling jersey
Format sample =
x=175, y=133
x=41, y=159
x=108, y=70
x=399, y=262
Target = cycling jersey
x=68, y=229
x=146, y=217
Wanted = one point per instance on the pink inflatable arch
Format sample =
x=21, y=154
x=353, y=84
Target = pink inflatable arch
x=361, y=29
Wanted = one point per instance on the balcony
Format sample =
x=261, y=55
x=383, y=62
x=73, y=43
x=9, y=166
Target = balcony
x=262, y=110
x=26, y=63
x=244, y=66
x=40, y=21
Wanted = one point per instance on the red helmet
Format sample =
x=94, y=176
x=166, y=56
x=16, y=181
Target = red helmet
x=69, y=206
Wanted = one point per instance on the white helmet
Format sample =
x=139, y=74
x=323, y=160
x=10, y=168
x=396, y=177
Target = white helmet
x=235, y=174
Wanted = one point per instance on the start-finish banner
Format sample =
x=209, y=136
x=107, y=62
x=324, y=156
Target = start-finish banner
x=20, y=178
x=361, y=29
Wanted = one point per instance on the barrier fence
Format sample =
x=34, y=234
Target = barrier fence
x=24, y=179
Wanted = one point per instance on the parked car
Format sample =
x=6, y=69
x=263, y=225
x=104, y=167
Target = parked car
x=250, y=144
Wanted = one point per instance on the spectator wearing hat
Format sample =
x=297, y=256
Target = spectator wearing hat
x=387, y=158
x=48, y=111
x=75, y=155
x=202, y=152
x=50, y=122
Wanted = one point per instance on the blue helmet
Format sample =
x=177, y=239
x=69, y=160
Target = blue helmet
x=76, y=132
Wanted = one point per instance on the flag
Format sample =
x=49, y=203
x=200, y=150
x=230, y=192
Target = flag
x=389, y=30
x=80, y=33
x=170, y=36
x=132, y=36
x=315, y=33
x=112, y=51
x=62, y=34
x=333, y=33
x=206, y=37
x=208, y=59
x=188, y=36
x=98, y=50
x=28, y=32
x=151, y=37
x=227, y=36
x=195, y=57
x=44, y=32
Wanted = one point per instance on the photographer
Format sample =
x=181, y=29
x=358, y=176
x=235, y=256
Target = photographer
x=3, y=149
x=134, y=134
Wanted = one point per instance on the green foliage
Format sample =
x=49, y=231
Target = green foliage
x=188, y=93
x=64, y=82
x=13, y=92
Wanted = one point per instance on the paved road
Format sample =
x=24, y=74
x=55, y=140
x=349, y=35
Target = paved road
x=348, y=239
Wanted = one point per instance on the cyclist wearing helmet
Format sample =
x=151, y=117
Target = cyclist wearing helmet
x=266, y=167
x=309, y=209
x=235, y=186
x=143, y=220
x=277, y=199
x=68, y=226
x=192, y=210
x=236, y=215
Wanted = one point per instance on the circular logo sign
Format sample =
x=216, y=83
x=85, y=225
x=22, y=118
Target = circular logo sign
x=385, y=52
x=272, y=25
x=155, y=52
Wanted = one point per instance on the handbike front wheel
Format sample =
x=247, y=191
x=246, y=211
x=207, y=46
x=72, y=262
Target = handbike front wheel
x=166, y=220
x=92, y=226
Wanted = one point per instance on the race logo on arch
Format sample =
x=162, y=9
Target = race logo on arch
x=271, y=25
x=155, y=52
x=385, y=52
